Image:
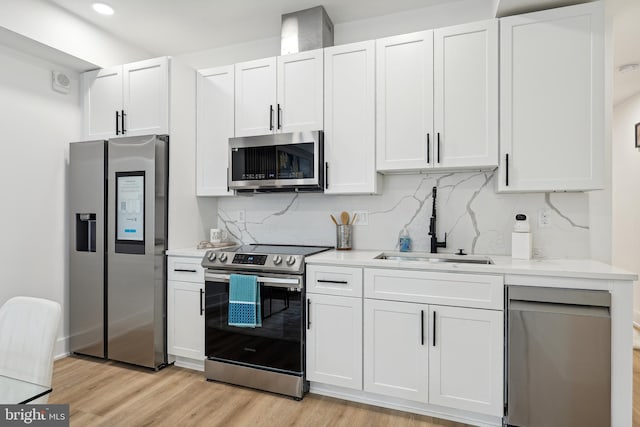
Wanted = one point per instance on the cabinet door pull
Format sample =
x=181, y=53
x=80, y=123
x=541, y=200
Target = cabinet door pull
x=184, y=270
x=421, y=327
x=117, y=122
x=270, y=117
x=438, y=158
x=308, y=313
x=201, y=305
x=279, y=117
x=339, y=282
x=434, y=328
x=506, y=169
x=326, y=175
x=428, y=149
x=122, y=116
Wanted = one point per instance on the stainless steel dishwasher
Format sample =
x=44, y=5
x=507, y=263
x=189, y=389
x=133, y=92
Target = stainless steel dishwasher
x=558, y=357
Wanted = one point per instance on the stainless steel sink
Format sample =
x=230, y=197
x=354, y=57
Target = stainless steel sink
x=424, y=257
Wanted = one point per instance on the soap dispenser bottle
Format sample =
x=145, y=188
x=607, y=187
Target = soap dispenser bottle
x=405, y=241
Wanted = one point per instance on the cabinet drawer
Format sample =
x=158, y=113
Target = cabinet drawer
x=332, y=280
x=185, y=269
x=456, y=289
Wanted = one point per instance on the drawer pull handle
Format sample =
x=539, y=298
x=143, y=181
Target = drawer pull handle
x=421, y=327
x=434, y=328
x=185, y=270
x=339, y=282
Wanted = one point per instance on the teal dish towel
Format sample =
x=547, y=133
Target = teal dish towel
x=244, y=301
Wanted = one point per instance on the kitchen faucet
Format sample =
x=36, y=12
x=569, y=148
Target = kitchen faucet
x=432, y=228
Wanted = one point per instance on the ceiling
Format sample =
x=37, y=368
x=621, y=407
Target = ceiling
x=172, y=27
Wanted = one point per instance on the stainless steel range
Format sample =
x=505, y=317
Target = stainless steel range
x=271, y=356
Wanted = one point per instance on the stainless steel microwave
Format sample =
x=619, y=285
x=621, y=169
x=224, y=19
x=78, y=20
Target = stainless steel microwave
x=277, y=162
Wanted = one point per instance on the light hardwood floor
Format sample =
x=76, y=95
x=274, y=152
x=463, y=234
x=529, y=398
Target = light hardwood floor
x=110, y=394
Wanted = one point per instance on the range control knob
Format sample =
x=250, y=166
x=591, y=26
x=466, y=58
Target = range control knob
x=291, y=260
x=223, y=257
x=277, y=259
x=212, y=256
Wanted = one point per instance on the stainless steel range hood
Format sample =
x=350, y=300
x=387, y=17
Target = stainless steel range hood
x=306, y=29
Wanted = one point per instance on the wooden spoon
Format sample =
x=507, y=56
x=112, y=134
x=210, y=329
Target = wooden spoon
x=333, y=218
x=344, y=217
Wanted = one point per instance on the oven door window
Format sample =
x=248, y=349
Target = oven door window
x=277, y=345
x=278, y=162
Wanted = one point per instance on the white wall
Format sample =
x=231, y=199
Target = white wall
x=626, y=191
x=53, y=26
x=37, y=125
x=190, y=217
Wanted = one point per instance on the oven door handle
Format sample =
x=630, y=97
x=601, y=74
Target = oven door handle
x=276, y=282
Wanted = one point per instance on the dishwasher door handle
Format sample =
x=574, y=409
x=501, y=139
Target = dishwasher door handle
x=568, y=309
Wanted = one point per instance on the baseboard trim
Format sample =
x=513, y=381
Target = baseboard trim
x=61, y=348
x=183, y=362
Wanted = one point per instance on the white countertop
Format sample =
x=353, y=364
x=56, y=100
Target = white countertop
x=576, y=268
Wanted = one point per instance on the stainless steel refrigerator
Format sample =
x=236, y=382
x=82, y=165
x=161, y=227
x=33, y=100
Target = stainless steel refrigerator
x=117, y=268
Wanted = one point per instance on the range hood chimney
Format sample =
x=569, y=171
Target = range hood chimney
x=306, y=29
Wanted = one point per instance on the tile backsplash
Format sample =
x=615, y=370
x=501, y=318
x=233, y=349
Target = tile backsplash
x=473, y=215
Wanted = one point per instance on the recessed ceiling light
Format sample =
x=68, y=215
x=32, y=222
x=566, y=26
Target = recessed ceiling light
x=629, y=67
x=103, y=9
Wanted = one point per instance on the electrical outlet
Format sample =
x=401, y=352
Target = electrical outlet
x=544, y=218
x=538, y=253
x=242, y=216
x=362, y=217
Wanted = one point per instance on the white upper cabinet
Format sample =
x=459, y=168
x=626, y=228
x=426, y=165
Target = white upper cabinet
x=466, y=95
x=404, y=88
x=300, y=94
x=146, y=97
x=127, y=100
x=552, y=100
x=279, y=94
x=102, y=102
x=438, y=99
x=214, y=127
x=349, y=119
x=255, y=100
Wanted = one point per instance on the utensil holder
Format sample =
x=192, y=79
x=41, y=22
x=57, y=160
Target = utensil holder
x=343, y=237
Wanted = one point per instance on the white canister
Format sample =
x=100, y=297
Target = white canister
x=521, y=239
x=217, y=235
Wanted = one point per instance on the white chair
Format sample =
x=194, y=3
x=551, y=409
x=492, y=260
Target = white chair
x=28, y=333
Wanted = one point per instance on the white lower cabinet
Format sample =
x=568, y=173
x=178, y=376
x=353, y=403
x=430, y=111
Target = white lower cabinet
x=432, y=339
x=185, y=309
x=334, y=340
x=465, y=359
x=448, y=356
x=396, y=349
x=185, y=323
